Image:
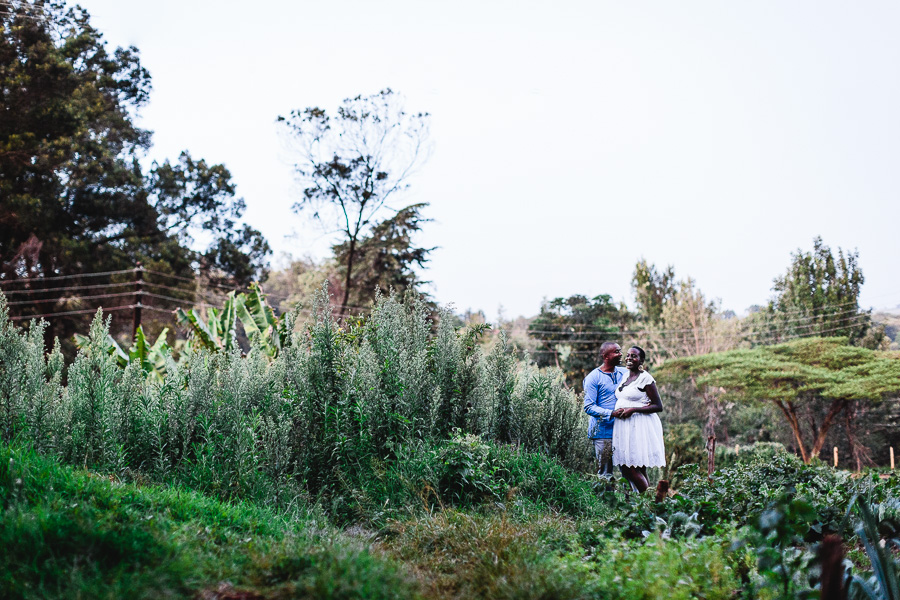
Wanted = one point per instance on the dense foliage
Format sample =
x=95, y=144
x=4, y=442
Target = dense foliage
x=75, y=198
x=753, y=531
x=818, y=295
x=569, y=333
x=387, y=258
x=466, y=470
x=314, y=422
x=70, y=534
x=812, y=381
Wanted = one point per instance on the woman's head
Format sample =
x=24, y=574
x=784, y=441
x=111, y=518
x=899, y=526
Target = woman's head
x=635, y=358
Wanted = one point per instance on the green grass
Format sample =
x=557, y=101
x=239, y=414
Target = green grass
x=71, y=534
x=490, y=555
x=462, y=519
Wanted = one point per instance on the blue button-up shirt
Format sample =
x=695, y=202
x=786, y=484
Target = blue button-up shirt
x=600, y=400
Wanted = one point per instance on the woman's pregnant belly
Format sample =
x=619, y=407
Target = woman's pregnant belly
x=623, y=403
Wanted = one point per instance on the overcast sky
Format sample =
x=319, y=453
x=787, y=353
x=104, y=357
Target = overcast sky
x=570, y=138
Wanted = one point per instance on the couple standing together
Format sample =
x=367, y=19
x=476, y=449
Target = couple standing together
x=622, y=403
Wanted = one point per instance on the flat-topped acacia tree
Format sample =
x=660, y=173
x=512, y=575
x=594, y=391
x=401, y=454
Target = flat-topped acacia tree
x=793, y=376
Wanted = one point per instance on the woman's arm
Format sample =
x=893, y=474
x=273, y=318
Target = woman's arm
x=654, y=406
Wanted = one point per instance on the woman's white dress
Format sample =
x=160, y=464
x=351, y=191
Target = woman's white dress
x=637, y=440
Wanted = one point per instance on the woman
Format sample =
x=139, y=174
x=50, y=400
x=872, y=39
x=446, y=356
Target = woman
x=637, y=435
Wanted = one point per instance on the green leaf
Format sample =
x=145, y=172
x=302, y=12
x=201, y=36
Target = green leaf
x=201, y=331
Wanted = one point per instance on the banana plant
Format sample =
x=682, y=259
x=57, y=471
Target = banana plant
x=151, y=357
x=218, y=333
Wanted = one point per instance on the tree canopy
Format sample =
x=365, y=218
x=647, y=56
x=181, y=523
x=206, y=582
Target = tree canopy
x=387, y=258
x=352, y=162
x=652, y=289
x=569, y=332
x=818, y=295
x=75, y=198
x=797, y=377
x=677, y=318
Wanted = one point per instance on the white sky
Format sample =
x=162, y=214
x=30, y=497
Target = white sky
x=570, y=138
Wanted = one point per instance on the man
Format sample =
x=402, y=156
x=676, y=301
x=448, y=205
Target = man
x=599, y=402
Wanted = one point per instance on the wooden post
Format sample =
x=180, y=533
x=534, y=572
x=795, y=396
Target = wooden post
x=138, y=293
x=711, y=452
x=831, y=555
x=835, y=457
x=662, y=488
x=892, y=458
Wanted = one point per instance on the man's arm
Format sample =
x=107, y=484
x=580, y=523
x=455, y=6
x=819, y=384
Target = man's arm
x=591, y=383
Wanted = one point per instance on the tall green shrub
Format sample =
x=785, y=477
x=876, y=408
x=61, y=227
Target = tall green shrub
x=320, y=419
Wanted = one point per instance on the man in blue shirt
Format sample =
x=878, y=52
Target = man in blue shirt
x=599, y=402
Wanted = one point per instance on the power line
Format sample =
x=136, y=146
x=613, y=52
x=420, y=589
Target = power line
x=58, y=277
x=587, y=328
x=48, y=300
x=237, y=289
x=182, y=290
x=607, y=333
x=19, y=15
x=72, y=312
x=167, y=311
x=68, y=288
x=769, y=337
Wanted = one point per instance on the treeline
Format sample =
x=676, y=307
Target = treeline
x=818, y=296
x=79, y=210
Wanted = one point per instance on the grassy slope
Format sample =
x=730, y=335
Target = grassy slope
x=70, y=534
x=66, y=533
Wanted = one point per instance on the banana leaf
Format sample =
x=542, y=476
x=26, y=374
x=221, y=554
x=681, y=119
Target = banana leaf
x=202, y=334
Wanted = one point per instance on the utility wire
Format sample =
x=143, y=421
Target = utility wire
x=64, y=298
x=235, y=289
x=58, y=277
x=68, y=288
x=609, y=332
x=848, y=322
x=72, y=312
x=587, y=328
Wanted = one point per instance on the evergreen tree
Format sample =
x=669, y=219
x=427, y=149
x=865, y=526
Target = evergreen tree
x=819, y=295
x=386, y=259
x=571, y=330
x=352, y=163
x=652, y=289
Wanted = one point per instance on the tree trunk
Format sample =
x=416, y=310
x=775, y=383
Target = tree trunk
x=711, y=404
x=861, y=454
x=791, y=414
x=350, y=256
x=836, y=407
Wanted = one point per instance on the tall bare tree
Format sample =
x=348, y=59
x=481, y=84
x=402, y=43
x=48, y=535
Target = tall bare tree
x=352, y=163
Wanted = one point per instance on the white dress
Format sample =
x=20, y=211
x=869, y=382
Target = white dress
x=637, y=440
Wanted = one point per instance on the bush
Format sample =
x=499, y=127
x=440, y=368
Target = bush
x=312, y=423
x=658, y=568
x=463, y=472
x=491, y=556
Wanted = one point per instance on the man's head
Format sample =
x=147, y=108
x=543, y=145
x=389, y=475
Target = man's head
x=610, y=354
